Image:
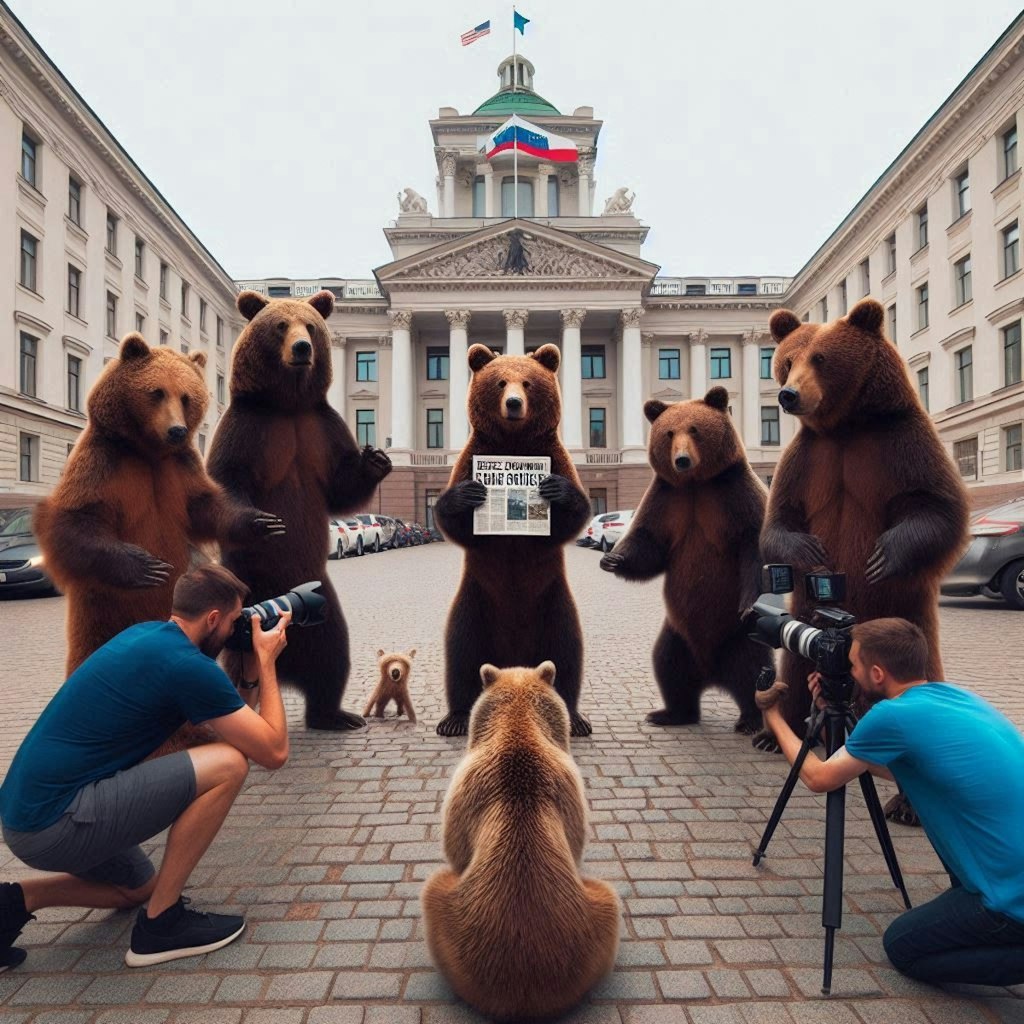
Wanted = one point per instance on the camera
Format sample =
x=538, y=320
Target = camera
x=307, y=605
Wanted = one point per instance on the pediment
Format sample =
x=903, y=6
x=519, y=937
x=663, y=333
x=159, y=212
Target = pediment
x=668, y=395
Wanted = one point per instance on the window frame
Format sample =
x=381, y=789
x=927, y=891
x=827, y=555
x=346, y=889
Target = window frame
x=1009, y=444
x=964, y=372
x=923, y=386
x=1005, y=152
x=962, y=193
x=716, y=355
x=221, y=392
x=588, y=356
x=33, y=177
x=668, y=355
x=32, y=476
x=74, y=289
x=923, y=294
x=526, y=198
x=110, y=242
x=962, y=452
x=554, y=196
x=164, y=278
x=865, y=271
x=28, y=261
x=370, y=363
x=28, y=364
x=479, y=196
x=1012, y=353
x=140, y=258
x=76, y=405
x=1011, y=247
x=74, y=200
x=890, y=321
x=435, y=428
x=770, y=423
x=186, y=294
x=110, y=315
x=921, y=223
x=601, y=422
x=963, y=288
x=438, y=362
x=768, y=351
x=890, y=245
x=366, y=431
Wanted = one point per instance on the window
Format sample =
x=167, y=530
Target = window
x=961, y=194
x=437, y=364
x=163, y=281
x=1011, y=354
x=140, y=323
x=598, y=501
x=111, y=315
x=769, y=424
x=890, y=248
x=767, y=355
x=962, y=280
x=28, y=158
x=696, y=289
x=111, y=234
x=479, y=196
x=74, y=384
x=922, y=307
x=552, y=195
x=202, y=315
x=220, y=333
x=922, y=386
x=842, y=298
x=220, y=388
x=823, y=310
x=29, y=253
x=965, y=455
x=163, y=336
x=508, y=201
x=366, y=366
x=435, y=428
x=74, y=200
x=74, y=290
x=29, y=352
x=746, y=289
x=592, y=363
x=140, y=253
x=721, y=363
x=279, y=291
x=963, y=361
x=922, y=226
x=892, y=322
x=865, y=277
x=1011, y=249
x=668, y=364
x=28, y=460
x=598, y=438
x=184, y=348
x=184, y=299
x=1009, y=141
x=1012, y=448
x=366, y=428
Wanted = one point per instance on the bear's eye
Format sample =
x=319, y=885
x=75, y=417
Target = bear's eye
x=818, y=359
x=694, y=431
x=282, y=326
x=157, y=394
x=670, y=434
x=789, y=365
x=526, y=385
x=502, y=383
x=185, y=400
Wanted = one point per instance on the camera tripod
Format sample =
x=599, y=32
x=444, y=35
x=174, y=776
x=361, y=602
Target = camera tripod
x=838, y=719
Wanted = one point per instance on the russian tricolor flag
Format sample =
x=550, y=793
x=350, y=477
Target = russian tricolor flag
x=518, y=134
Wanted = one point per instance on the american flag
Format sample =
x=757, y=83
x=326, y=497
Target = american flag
x=483, y=29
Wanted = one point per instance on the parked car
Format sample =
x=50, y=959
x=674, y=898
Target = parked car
x=993, y=565
x=426, y=537
x=590, y=536
x=417, y=533
x=373, y=532
x=403, y=534
x=390, y=531
x=338, y=542
x=436, y=534
x=356, y=537
x=613, y=526
x=21, y=572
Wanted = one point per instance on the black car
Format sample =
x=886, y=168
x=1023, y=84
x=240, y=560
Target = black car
x=994, y=563
x=21, y=573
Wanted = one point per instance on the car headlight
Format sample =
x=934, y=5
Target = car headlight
x=35, y=561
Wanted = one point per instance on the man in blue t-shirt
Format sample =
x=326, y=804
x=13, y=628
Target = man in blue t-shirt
x=79, y=797
x=961, y=764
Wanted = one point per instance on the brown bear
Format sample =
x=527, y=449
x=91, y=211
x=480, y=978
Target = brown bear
x=393, y=685
x=699, y=523
x=865, y=488
x=511, y=923
x=117, y=528
x=281, y=446
x=513, y=603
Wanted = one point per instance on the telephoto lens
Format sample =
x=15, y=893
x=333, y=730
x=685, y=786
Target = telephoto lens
x=307, y=605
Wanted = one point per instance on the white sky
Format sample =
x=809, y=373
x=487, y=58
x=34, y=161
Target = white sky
x=281, y=132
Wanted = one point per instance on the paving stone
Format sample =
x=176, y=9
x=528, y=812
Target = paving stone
x=767, y=983
x=117, y=988
x=393, y=1015
x=216, y=1015
x=48, y=991
x=279, y=1015
x=336, y=1015
x=239, y=988
x=654, y=1015
x=688, y=952
x=302, y=987
x=366, y=985
x=683, y=985
x=133, y=1016
x=183, y=988
x=727, y=984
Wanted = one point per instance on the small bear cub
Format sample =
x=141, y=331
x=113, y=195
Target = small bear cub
x=393, y=685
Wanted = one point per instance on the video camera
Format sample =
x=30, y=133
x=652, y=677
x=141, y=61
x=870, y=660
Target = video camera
x=307, y=605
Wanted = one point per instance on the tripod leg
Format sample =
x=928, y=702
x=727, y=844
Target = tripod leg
x=835, y=828
x=867, y=785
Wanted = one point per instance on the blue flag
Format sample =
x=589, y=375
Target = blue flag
x=519, y=22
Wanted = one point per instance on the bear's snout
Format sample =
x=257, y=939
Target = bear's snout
x=396, y=674
x=514, y=407
x=789, y=399
x=177, y=434
x=302, y=351
x=683, y=462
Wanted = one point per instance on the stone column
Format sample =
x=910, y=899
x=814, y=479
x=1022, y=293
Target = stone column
x=339, y=383
x=448, y=172
x=572, y=382
x=698, y=363
x=540, y=190
x=631, y=385
x=401, y=381
x=487, y=172
x=585, y=168
x=458, y=377
x=751, y=398
x=515, y=330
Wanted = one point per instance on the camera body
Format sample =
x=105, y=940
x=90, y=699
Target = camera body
x=307, y=605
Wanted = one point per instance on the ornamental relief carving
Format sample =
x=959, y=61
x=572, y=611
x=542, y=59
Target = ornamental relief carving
x=400, y=318
x=630, y=317
x=516, y=317
x=573, y=317
x=457, y=317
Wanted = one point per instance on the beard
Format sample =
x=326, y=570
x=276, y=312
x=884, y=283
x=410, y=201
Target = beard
x=868, y=697
x=212, y=645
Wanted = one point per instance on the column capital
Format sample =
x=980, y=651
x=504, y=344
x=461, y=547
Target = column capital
x=457, y=317
x=630, y=316
x=516, y=317
x=699, y=337
x=401, y=318
x=338, y=340
x=448, y=158
x=586, y=160
x=573, y=317
x=756, y=336
x=648, y=340
x=545, y=169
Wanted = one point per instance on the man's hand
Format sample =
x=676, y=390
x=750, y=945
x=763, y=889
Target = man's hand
x=268, y=644
x=814, y=685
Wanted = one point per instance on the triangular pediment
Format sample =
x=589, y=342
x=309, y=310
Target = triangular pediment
x=516, y=253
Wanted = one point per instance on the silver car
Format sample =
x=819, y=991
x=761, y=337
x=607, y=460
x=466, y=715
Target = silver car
x=994, y=563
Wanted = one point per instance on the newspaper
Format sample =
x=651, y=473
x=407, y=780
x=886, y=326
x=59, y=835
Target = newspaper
x=514, y=506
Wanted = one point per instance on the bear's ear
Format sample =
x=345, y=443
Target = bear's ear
x=653, y=409
x=198, y=359
x=323, y=303
x=868, y=316
x=546, y=670
x=548, y=356
x=250, y=303
x=783, y=322
x=411, y=654
x=717, y=398
x=133, y=346
x=380, y=652
x=488, y=675
x=479, y=356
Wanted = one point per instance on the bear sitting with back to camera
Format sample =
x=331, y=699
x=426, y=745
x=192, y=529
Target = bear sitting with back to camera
x=281, y=446
x=699, y=523
x=116, y=531
x=865, y=488
x=513, y=604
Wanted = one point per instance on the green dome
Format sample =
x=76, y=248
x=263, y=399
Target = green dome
x=519, y=102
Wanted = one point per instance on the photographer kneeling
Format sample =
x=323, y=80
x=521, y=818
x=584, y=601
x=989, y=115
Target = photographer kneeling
x=79, y=797
x=961, y=763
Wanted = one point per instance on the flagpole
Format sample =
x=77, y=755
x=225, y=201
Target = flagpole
x=513, y=47
x=515, y=127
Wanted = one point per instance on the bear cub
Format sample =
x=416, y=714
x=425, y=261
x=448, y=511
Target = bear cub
x=393, y=686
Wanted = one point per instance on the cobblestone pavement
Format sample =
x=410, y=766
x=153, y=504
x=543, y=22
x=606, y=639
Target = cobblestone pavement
x=327, y=856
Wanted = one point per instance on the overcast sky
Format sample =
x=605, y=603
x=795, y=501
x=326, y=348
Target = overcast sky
x=281, y=132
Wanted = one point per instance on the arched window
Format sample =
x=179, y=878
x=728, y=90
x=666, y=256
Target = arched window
x=552, y=195
x=479, y=197
x=508, y=206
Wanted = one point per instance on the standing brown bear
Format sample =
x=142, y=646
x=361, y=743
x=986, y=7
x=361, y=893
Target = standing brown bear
x=116, y=530
x=283, y=447
x=865, y=487
x=699, y=523
x=513, y=605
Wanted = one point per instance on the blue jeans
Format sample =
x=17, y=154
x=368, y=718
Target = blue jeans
x=953, y=938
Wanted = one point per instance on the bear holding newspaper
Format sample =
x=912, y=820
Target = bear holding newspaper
x=513, y=606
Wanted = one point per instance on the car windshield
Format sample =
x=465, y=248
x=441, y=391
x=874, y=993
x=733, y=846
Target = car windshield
x=20, y=523
x=608, y=518
x=365, y=520
x=353, y=522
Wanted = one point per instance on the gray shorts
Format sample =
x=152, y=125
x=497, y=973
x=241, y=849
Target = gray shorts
x=97, y=838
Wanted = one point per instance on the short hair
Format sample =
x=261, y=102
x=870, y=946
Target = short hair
x=205, y=588
x=896, y=645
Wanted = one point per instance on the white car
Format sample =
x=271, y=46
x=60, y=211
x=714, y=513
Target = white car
x=354, y=535
x=591, y=535
x=338, y=543
x=374, y=532
x=613, y=526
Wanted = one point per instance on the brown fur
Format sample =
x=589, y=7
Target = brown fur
x=117, y=529
x=283, y=447
x=866, y=479
x=699, y=524
x=392, y=686
x=513, y=603
x=511, y=923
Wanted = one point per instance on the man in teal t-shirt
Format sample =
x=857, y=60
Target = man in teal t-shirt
x=961, y=763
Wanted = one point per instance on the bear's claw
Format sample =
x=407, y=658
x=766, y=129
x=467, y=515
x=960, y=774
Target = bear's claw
x=663, y=716
x=765, y=740
x=453, y=725
x=334, y=721
x=580, y=726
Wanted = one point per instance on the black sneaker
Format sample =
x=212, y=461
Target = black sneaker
x=179, y=932
x=13, y=917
